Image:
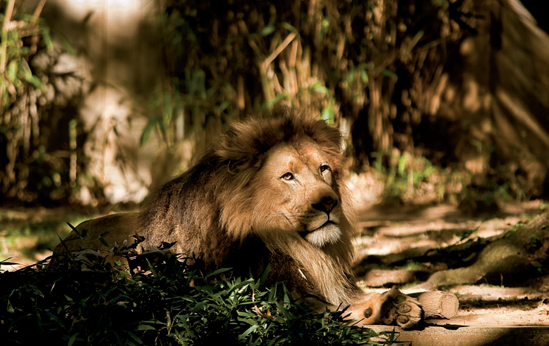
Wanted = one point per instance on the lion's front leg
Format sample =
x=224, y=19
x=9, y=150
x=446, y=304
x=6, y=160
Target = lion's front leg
x=391, y=306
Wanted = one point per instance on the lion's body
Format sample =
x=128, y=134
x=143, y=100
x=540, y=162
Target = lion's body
x=269, y=192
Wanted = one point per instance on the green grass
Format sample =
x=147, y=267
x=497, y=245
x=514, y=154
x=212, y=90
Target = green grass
x=171, y=304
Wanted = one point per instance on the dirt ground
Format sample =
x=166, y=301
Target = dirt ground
x=390, y=234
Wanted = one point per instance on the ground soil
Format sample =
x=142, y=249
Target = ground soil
x=388, y=235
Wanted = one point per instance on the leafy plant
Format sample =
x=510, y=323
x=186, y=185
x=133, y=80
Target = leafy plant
x=39, y=146
x=171, y=304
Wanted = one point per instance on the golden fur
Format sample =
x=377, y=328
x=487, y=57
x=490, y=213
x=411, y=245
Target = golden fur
x=268, y=192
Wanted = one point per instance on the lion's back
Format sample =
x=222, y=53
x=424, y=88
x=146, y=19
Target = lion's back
x=93, y=234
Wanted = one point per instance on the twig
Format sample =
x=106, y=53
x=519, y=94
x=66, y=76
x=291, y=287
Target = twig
x=3, y=50
x=38, y=10
x=279, y=49
x=34, y=41
x=5, y=29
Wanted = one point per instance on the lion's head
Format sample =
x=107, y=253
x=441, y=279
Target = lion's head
x=284, y=179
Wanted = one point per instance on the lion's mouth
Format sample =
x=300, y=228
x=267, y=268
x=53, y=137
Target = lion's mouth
x=329, y=232
x=328, y=223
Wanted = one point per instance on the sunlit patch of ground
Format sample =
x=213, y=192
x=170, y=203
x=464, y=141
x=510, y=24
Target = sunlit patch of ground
x=501, y=306
x=386, y=237
x=390, y=234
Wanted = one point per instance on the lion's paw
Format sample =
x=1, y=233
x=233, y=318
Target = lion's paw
x=400, y=308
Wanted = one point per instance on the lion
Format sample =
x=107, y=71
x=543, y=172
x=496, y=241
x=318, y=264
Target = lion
x=268, y=192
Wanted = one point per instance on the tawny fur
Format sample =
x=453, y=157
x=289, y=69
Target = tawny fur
x=214, y=209
x=235, y=209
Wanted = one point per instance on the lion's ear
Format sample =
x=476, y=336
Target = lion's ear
x=238, y=161
x=237, y=166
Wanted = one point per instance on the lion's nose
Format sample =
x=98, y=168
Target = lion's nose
x=326, y=204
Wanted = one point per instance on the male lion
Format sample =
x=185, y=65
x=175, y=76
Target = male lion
x=269, y=191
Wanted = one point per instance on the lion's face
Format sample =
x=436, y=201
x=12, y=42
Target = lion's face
x=298, y=188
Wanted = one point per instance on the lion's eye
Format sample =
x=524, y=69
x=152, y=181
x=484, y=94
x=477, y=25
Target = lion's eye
x=288, y=176
x=324, y=168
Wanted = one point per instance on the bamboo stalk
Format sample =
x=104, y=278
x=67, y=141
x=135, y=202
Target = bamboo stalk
x=5, y=29
x=279, y=49
x=240, y=92
x=73, y=156
x=4, y=49
x=38, y=10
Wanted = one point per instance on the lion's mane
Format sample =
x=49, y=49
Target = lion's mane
x=212, y=210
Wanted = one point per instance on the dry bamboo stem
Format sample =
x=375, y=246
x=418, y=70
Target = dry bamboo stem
x=279, y=50
x=38, y=10
x=5, y=29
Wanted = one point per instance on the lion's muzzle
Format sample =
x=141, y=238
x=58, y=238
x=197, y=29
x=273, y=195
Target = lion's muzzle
x=328, y=233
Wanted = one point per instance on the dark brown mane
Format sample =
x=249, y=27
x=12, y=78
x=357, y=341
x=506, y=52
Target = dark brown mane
x=247, y=141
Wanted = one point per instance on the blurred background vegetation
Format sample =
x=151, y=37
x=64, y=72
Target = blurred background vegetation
x=438, y=100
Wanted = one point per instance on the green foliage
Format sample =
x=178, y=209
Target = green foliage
x=169, y=305
x=404, y=175
x=384, y=86
x=15, y=72
x=231, y=59
x=409, y=178
x=38, y=129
